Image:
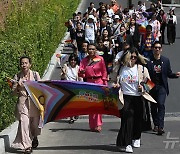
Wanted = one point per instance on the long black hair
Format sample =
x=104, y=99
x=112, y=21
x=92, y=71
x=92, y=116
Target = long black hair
x=73, y=56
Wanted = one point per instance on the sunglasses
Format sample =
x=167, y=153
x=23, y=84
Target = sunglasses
x=157, y=47
x=133, y=57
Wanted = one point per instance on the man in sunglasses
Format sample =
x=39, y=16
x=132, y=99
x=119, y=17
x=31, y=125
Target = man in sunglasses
x=160, y=70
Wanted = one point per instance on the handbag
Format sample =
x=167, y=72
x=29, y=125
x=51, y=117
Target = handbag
x=147, y=85
x=146, y=123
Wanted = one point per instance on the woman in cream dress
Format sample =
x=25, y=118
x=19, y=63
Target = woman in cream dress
x=26, y=111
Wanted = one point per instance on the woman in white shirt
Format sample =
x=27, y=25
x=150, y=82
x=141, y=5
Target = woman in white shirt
x=131, y=74
x=171, y=27
x=70, y=72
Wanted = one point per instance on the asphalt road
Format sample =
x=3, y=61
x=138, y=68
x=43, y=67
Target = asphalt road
x=173, y=53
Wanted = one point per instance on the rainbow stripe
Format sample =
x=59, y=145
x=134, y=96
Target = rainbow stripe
x=68, y=98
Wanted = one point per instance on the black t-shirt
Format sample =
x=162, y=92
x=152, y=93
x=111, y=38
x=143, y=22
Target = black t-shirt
x=157, y=68
x=80, y=37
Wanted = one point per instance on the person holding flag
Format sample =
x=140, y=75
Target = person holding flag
x=93, y=69
x=26, y=111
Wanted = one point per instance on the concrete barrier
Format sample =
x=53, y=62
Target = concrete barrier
x=7, y=137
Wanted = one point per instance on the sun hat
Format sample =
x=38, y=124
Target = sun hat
x=91, y=17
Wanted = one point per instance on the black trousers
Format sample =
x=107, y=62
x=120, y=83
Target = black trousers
x=131, y=120
x=171, y=33
x=162, y=29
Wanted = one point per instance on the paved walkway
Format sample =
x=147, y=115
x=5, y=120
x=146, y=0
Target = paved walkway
x=63, y=138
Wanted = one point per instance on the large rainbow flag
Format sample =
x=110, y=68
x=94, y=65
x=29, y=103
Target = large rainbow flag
x=59, y=99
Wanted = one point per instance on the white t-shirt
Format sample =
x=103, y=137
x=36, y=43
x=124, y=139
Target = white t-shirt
x=90, y=31
x=142, y=7
x=72, y=73
x=110, y=12
x=118, y=56
x=129, y=80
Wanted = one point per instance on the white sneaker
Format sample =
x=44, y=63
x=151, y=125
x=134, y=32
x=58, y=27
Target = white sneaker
x=129, y=149
x=136, y=143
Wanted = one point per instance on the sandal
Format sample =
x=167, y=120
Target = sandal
x=35, y=142
x=28, y=150
x=98, y=129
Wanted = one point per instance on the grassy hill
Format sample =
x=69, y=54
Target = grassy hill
x=32, y=28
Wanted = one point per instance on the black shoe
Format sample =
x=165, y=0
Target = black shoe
x=155, y=129
x=35, y=143
x=160, y=131
x=71, y=121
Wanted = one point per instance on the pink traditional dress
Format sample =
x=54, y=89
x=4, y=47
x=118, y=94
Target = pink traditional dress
x=94, y=72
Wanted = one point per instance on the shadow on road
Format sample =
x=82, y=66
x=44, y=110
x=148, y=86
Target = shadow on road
x=68, y=129
x=81, y=147
x=114, y=130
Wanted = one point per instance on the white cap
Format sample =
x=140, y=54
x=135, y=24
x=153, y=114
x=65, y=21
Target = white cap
x=91, y=17
x=113, y=1
x=116, y=16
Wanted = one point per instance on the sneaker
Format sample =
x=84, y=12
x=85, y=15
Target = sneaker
x=129, y=149
x=136, y=143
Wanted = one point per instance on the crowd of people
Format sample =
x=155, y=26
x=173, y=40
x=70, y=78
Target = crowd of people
x=116, y=46
x=139, y=27
x=128, y=43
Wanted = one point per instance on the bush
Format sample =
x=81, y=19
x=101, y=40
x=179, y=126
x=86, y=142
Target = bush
x=33, y=28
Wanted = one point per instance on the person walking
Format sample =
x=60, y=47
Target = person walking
x=171, y=27
x=93, y=69
x=160, y=70
x=70, y=72
x=26, y=111
x=133, y=30
x=147, y=42
x=131, y=75
x=162, y=19
x=90, y=29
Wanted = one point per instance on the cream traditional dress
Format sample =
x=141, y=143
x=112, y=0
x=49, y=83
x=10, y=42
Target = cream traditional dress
x=26, y=112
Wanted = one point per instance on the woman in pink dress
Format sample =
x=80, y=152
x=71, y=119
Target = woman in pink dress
x=92, y=69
